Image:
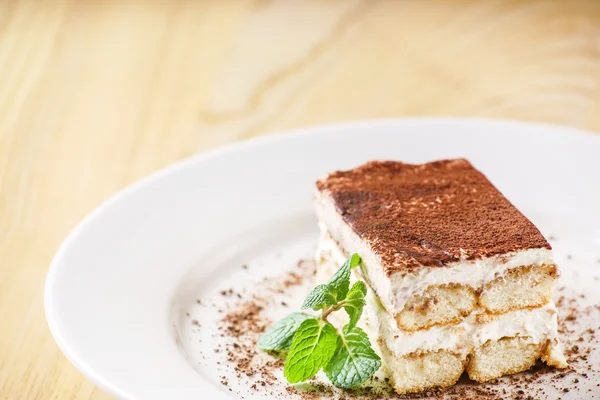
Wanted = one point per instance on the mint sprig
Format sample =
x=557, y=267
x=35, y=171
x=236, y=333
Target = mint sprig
x=334, y=291
x=280, y=336
x=340, y=281
x=313, y=346
x=354, y=360
x=355, y=302
x=314, y=343
x=322, y=296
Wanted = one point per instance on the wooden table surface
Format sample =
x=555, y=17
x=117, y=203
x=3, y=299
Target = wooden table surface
x=96, y=94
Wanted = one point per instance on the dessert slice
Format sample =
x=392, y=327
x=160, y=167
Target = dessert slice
x=459, y=278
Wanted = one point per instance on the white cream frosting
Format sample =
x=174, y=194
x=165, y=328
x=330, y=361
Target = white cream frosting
x=396, y=290
x=537, y=325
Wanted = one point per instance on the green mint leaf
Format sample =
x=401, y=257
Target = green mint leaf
x=312, y=348
x=340, y=282
x=354, y=360
x=335, y=290
x=320, y=297
x=355, y=302
x=279, y=336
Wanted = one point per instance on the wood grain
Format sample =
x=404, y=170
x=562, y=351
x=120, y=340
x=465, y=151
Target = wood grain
x=94, y=95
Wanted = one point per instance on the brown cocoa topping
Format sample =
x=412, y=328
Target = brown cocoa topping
x=428, y=214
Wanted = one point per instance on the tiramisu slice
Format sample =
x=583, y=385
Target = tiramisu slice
x=462, y=280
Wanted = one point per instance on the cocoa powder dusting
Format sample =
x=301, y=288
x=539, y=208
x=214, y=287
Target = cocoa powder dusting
x=429, y=214
x=245, y=321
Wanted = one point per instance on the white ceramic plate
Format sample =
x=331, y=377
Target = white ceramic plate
x=121, y=284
